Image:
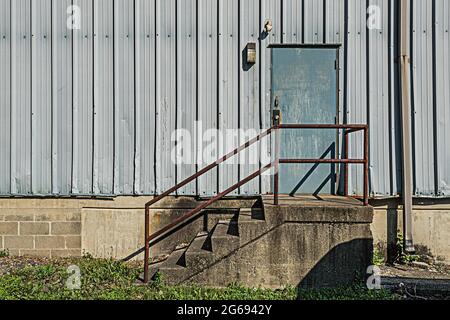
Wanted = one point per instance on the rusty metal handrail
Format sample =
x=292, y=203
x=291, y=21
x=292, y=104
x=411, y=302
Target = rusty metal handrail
x=348, y=129
x=190, y=214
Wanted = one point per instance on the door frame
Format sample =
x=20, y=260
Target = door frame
x=337, y=47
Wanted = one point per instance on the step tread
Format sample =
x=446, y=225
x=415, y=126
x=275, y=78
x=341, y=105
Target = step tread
x=198, y=244
x=251, y=214
x=176, y=257
x=222, y=229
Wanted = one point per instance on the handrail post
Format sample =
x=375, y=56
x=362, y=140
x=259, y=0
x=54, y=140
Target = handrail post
x=276, y=182
x=276, y=122
x=346, y=156
x=147, y=244
x=366, y=166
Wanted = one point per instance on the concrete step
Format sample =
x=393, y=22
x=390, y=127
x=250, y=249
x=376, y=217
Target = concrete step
x=199, y=253
x=251, y=230
x=153, y=269
x=227, y=227
x=177, y=258
x=200, y=243
x=174, y=275
x=225, y=238
x=249, y=214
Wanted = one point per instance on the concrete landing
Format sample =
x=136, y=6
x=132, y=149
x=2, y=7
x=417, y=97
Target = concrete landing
x=324, y=209
x=308, y=200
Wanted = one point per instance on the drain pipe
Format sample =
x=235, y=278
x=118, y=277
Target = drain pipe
x=404, y=34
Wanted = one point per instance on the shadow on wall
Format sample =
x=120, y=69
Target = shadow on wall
x=342, y=265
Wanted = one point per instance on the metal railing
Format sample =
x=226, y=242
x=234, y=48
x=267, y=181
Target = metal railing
x=158, y=235
x=348, y=129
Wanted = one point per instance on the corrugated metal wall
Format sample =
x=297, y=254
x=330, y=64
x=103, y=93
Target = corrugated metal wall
x=92, y=111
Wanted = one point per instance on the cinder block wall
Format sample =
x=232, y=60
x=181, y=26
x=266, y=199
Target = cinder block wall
x=39, y=228
x=104, y=228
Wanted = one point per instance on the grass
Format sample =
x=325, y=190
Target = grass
x=114, y=280
x=402, y=257
x=378, y=258
x=4, y=253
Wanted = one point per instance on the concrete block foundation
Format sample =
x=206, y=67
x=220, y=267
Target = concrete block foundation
x=309, y=241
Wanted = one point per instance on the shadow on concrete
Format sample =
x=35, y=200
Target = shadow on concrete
x=331, y=150
x=343, y=265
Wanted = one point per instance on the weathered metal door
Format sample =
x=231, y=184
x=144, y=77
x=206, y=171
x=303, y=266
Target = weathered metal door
x=305, y=88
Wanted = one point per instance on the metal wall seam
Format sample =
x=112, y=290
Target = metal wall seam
x=103, y=170
x=166, y=101
x=249, y=112
x=422, y=61
x=270, y=10
x=443, y=95
x=124, y=88
x=5, y=96
x=186, y=94
x=21, y=98
x=334, y=31
x=356, y=85
x=61, y=99
x=208, y=16
x=145, y=102
x=229, y=61
x=83, y=108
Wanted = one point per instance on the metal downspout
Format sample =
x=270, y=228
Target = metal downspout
x=404, y=34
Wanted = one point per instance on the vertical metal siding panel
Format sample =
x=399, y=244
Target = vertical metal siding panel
x=443, y=94
x=41, y=154
x=83, y=101
x=269, y=10
x=293, y=21
x=395, y=126
x=186, y=93
x=5, y=97
x=356, y=85
x=379, y=103
x=21, y=98
x=334, y=21
x=124, y=97
x=314, y=21
x=229, y=57
x=208, y=87
x=422, y=59
x=249, y=112
x=166, y=105
x=103, y=170
x=145, y=97
x=62, y=99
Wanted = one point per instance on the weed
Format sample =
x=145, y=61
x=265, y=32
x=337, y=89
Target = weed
x=106, y=279
x=4, y=253
x=402, y=256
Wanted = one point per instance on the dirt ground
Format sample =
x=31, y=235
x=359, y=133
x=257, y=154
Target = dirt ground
x=418, y=281
x=9, y=264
